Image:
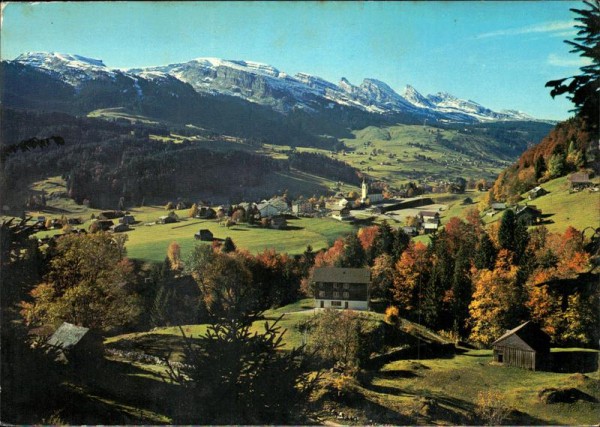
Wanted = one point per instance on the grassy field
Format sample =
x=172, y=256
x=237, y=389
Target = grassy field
x=151, y=242
x=561, y=209
x=450, y=385
x=393, y=154
x=580, y=210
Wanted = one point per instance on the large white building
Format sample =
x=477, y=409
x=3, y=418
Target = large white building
x=342, y=288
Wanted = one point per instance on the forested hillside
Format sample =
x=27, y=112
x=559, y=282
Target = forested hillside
x=567, y=148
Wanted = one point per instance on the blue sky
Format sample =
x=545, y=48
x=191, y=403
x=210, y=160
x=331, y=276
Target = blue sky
x=499, y=54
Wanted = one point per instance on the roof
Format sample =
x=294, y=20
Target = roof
x=530, y=334
x=498, y=205
x=67, y=336
x=339, y=275
x=531, y=208
x=428, y=213
x=536, y=189
x=579, y=177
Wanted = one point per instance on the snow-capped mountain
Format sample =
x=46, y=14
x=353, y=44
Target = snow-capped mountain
x=266, y=85
x=73, y=69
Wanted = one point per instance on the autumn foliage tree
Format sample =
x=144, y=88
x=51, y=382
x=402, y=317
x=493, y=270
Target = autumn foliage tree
x=93, y=294
x=497, y=300
x=411, y=272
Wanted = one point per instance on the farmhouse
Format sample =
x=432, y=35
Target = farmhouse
x=579, y=180
x=525, y=346
x=168, y=219
x=269, y=209
x=278, y=222
x=430, y=217
x=429, y=227
x=342, y=288
x=302, y=207
x=127, y=219
x=204, y=235
x=119, y=228
x=343, y=214
x=206, y=212
x=495, y=208
x=76, y=344
x=536, y=192
x=529, y=214
x=110, y=214
x=102, y=224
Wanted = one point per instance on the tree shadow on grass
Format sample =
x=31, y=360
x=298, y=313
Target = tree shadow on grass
x=159, y=345
x=113, y=393
x=395, y=374
x=574, y=361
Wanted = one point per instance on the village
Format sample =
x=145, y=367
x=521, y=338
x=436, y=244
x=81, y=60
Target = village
x=416, y=216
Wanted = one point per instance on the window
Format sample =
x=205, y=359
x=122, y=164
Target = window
x=335, y=285
x=346, y=294
x=346, y=285
x=321, y=294
x=336, y=294
x=320, y=285
x=336, y=303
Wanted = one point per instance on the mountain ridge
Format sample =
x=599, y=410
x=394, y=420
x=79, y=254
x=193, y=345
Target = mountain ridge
x=268, y=86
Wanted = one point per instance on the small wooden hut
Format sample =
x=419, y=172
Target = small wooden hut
x=76, y=344
x=525, y=346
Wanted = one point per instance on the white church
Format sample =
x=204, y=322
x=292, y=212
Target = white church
x=376, y=197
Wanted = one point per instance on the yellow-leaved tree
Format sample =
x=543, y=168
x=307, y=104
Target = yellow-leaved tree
x=497, y=300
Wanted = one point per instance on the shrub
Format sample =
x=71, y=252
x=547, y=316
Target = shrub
x=491, y=408
x=392, y=315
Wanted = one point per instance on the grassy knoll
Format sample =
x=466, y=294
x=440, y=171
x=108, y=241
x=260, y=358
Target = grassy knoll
x=453, y=384
x=168, y=341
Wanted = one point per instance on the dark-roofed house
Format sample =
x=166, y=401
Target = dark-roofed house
x=525, y=346
x=342, y=287
x=343, y=214
x=498, y=206
x=529, y=214
x=579, y=180
x=77, y=344
x=536, y=192
x=119, y=228
x=278, y=222
x=127, y=219
x=204, y=234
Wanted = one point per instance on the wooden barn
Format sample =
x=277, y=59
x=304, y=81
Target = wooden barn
x=525, y=346
x=77, y=345
x=204, y=234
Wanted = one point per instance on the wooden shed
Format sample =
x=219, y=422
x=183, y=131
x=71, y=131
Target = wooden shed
x=77, y=345
x=525, y=346
x=204, y=234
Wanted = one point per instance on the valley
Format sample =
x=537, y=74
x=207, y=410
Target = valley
x=187, y=239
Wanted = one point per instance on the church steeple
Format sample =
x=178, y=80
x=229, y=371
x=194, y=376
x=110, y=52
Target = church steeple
x=365, y=192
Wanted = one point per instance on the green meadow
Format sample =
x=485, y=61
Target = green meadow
x=150, y=242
